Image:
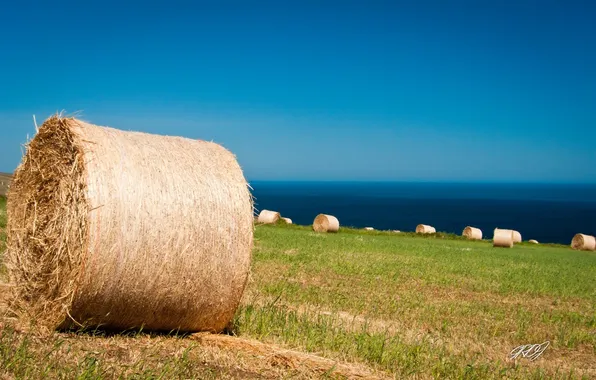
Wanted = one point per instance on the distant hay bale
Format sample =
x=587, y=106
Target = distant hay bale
x=287, y=220
x=325, y=223
x=517, y=238
x=369, y=228
x=503, y=238
x=127, y=230
x=396, y=231
x=472, y=233
x=268, y=217
x=583, y=242
x=532, y=241
x=425, y=229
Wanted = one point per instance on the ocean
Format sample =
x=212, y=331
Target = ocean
x=549, y=213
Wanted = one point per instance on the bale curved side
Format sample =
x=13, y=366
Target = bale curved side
x=472, y=233
x=127, y=230
x=425, y=229
x=287, y=220
x=325, y=223
x=517, y=238
x=583, y=242
x=503, y=238
x=268, y=217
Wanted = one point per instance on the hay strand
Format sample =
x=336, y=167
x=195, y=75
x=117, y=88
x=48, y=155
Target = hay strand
x=472, y=233
x=425, y=229
x=127, y=230
x=325, y=223
x=503, y=238
x=268, y=217
x=583, y=242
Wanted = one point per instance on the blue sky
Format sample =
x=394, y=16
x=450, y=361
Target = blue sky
x=337, y=90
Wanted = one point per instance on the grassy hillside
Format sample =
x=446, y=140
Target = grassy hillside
x=395, y=305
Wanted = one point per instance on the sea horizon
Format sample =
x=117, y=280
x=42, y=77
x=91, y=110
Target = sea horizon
x=552, y=213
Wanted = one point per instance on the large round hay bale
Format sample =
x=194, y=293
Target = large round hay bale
x=472, y=233
x=583, y=242
x=517, y=238
x=325, y=223
x=268, y=217
x=425, y=229
x=127, y=230
x=503, y=238
x=287, y=220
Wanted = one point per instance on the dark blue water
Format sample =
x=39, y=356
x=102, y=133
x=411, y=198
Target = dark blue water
x=550, y=213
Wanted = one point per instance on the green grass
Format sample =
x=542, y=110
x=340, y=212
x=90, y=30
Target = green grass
x=433, y=306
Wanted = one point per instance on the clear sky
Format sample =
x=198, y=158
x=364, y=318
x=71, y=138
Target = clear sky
x=473, y=90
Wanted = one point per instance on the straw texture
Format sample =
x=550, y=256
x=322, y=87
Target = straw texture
x=127, y=230
x=583, y=242
x=472, y=233
x=325, y=223
x=503, y=238
x=425, y=229
x=268, y=217
x=517, y=238
x=287, y=220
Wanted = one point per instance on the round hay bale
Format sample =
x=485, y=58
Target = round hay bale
x=517, y=238
x=268, y=217
x=325, y=223
x=425, y=229
x=583, y=242
x=472, y=233
x=396, y=231
x=532, y=241
x=287, y=220
x=127, y=230
x=503, y=238
x=369, y=228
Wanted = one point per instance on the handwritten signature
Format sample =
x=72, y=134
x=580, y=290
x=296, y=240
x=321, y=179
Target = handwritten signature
x=529, y=351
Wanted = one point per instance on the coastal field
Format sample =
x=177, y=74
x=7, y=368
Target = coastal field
x=357, y=304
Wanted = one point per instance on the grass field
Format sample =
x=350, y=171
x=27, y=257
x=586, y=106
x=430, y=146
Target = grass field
x=373, y=303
